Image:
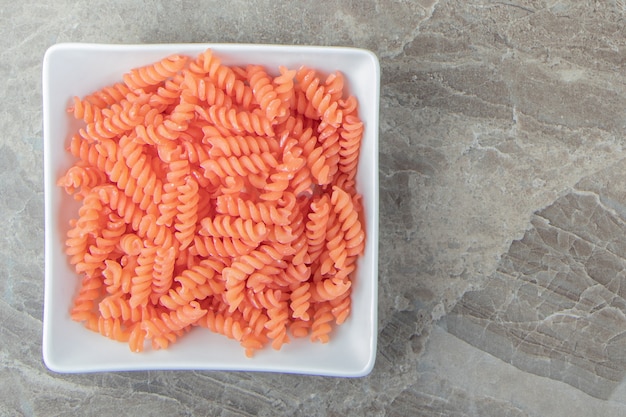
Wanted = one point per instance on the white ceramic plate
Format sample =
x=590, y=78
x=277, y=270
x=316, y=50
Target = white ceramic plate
x=79, y=69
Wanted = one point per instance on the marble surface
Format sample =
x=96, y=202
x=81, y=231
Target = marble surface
x=502, y=277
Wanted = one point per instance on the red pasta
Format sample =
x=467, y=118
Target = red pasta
x=216, y=197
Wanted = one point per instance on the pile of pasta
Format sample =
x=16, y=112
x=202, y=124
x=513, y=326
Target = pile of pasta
x=215, y=196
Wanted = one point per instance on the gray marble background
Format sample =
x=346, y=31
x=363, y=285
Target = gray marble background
x=503, y=208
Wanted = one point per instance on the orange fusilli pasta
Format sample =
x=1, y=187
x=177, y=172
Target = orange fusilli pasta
x=218, y=197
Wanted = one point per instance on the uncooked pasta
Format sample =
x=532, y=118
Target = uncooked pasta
x=218, y=197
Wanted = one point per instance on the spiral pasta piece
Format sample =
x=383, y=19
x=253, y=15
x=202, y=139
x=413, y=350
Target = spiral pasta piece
x=207, y=271
x=254, y=315
x=102, y=248
x=236, y=227
x=224, y=76
x=329, y=139
x=300, y=304
x=107, y=96
x=316, y=160
x=90, y=214
x=117, y=306
x=178, y=171
x=239, y=122
x=284, y=87
x=167, y=94
x=348, y=217
x=164, y=330
x=341, y=307
x=163, y=269
x=263, y=90
x=141, y=283
x=90, y=154
x=86, y=301
x=120, y=118
x=320, y=327
x=154, y=74
x=316, y=227
x=167, y=129
x=222, y=247
x=330, y=289
x=86, y=110
x=195, y=283
x=187, y=216
x=142, y=170
x=205, y=90
x=238, y=166
x=277, y=324
x=261, y=212
x=334, y=86
x=123, y=206
x=350, y=143
x=238, y=145
x=279, y=181
x=236, y=275
x=76, y=244
x=224, y=324
x=79, y=180
x=323, y=102
x=117, y=278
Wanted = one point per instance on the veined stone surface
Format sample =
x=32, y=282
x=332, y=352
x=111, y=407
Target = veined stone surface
x=502, y=212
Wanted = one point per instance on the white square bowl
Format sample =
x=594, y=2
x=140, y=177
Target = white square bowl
x=79, y=69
